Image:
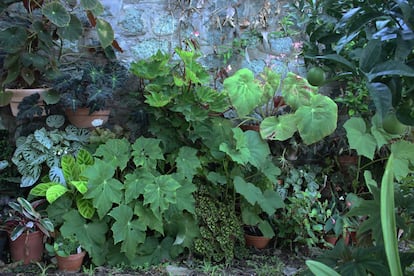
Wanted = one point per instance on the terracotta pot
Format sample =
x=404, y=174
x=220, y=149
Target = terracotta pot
x=331, y=239
x=81, y=118
x=71, y=263
x=27, y=248
x=258, y=242
x=19, y=94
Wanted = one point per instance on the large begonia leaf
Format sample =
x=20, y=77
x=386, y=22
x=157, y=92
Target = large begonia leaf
x=135, y=183
x=91, y=235
x=238, y=149
x=278, y=128
x=161, y=194
x=296, y=91
x=115, y=152
x=104, y=190
x=358, y=138
x=403, y=152
x=148, y=219
x=244, y=92
x=185, y=198
x=146, y=152
x=317, y=120
x=56, y=13
x=73, y=31
x=187, y=162
x=249, y=191
x=258, y=148
x=130, y=232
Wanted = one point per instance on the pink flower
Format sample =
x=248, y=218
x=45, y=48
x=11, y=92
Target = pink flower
x=196, y=33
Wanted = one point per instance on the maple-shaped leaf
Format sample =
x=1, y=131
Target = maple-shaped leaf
x=187, y=162
x=116, y=152
x=146, y=152
x=238, y=149
x=130, y=232
x=185, y=198
x=161, y=193
x=91, y=235
x=147, y=218
x=135, y=183
x=105, y=190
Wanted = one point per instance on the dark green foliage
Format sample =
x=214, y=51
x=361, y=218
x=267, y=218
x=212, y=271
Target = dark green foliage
x=90, y=86
x=221, y=236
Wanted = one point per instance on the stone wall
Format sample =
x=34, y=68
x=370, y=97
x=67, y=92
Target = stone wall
x=244, y=33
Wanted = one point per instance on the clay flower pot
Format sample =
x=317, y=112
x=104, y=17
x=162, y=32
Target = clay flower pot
x=82, y=119
x=258, y=242
x=71, y=263
x=27, y=248
x=20, y=94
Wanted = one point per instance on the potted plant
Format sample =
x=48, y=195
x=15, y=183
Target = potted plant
x=68, y=252
x=44, y=148
x=254, y=237
x=87, y=90
x=33, y=41
x=26, y=228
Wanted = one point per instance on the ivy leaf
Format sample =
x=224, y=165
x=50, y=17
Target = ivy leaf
x=161, y=193
x=104, y=190
x=146, y=152
x=91, y=236
x=356, y=132
x=126, y=230
x=187, y=162
x=115, y=151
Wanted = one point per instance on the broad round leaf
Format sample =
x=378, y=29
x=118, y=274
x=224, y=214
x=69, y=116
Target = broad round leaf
x=13, y=39
x=278, y=128
x=72, y=31
x=244, y=92
x=55, y=192
x=56, y=13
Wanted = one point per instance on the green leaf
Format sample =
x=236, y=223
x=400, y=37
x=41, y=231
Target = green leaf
x=389, y=228
x=278, y=128
x=135, y=183
x=381, y=96
x=89, y=4
x=81, y=186
x=185, y=198
x=266, y=229
x=56, y=13
x=248, y=190
x=146, y=152
x=244, y=92
x=238, y=149
x=161, y=194
x=54, y=192
x=403, y=152
x=73, y=31
x=340, y=60
x=104, y=190
x=187, y=162
x=13, y=39
x=358, y=138
x=105, y=33
x=91, y=235
x=69, y=167
x=130, y=232
x=320, y=269
x=41, y=189
x=317, y=120
x=296, y=91
x=271, y=201
x=148, y=219
x=85, y=207
x=390, y=68
x=115, y=152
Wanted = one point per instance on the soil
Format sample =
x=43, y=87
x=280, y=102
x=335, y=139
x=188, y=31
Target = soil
x=269, y=261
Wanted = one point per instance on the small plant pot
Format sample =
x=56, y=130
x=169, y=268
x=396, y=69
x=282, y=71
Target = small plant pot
x=20, y=94
x=82, y=119
x=258, y=242
x=27, y=248
x=331, y=239
x=71, y=263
